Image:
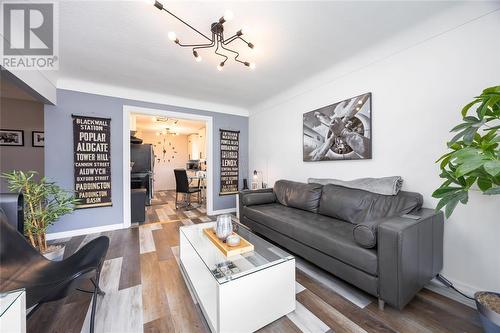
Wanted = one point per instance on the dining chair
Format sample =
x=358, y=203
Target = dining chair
x=202, y=183
x=182, y=186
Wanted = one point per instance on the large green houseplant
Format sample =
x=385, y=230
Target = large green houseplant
x=474, y=160
x=45, y=203
x=474, y=156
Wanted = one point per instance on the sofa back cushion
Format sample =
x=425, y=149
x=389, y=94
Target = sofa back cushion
x=358, y=206
x=298, y=195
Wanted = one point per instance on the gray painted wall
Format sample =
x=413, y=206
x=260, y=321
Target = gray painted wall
x=59, y=151
x=16, y=114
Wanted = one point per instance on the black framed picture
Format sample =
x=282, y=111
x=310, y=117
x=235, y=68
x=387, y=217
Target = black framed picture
x=37, y=139
x=340, y=131
x=10, y=137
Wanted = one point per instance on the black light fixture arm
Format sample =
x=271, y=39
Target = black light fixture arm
x=159, y=5
x=246, y=63
x=220, y=54
x=204, y=46
x=250, y=45
x=237, y=54
x=196, y=45
x=230, y=39
x=235, y=37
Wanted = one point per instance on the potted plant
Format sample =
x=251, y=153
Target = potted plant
x=45, y=203
x=474, y=162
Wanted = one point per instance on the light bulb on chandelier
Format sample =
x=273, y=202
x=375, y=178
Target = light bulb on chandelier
x=244, y=30
x=197, y=57
x=228, y=15
x=172, y=36
x=250, y=65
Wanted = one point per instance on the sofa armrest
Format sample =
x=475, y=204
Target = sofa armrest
x=257, y=197
x=410, y=254
x=254, y=197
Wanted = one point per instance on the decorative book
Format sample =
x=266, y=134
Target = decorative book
x=227, y=250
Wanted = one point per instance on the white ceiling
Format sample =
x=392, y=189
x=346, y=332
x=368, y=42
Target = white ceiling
x=125, y=44
x=146, y=123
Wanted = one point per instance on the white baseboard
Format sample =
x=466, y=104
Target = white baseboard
x=86, y=231
x=222, y=211
x=439, y=288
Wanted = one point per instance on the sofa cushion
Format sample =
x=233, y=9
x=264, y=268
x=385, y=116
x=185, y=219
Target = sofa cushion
x=365, y=233
x=298, y=195
x=330, y=236
x=357, y=206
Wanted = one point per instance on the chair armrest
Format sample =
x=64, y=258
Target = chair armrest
x=410, y=254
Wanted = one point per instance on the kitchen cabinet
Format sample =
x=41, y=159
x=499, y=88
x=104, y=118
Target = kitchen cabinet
x=196, y=145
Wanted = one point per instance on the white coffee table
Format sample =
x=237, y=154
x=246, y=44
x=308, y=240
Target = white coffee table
x=240, y=293
x=13, y=311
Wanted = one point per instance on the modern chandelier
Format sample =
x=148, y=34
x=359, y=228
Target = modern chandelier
x=217, y=40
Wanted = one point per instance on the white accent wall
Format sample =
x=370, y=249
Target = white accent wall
x=175, y=157
x=420, y=80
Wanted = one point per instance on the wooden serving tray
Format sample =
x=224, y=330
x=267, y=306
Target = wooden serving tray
x=227, y=250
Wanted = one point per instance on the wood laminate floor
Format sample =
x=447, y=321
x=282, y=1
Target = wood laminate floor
x=145, y=291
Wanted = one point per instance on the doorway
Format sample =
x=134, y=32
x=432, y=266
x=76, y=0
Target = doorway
x=179, y=141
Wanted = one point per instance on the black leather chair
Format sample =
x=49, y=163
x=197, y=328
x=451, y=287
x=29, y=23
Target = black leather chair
x=182, y=186
x=12, y=205
x=22, y=266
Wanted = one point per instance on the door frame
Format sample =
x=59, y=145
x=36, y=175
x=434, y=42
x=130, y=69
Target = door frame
x=131, y=109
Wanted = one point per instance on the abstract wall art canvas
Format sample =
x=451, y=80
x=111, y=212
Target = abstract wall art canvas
x=341, y=131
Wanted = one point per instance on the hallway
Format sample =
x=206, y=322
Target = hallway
x=162, y=209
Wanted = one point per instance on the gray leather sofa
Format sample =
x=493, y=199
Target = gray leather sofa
x=357, y=236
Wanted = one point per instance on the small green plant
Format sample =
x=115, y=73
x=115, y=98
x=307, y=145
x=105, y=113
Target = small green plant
x=475, y=155
x=45, y=203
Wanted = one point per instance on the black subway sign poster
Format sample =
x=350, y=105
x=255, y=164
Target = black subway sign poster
x=92, y=159
x=229, y=161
